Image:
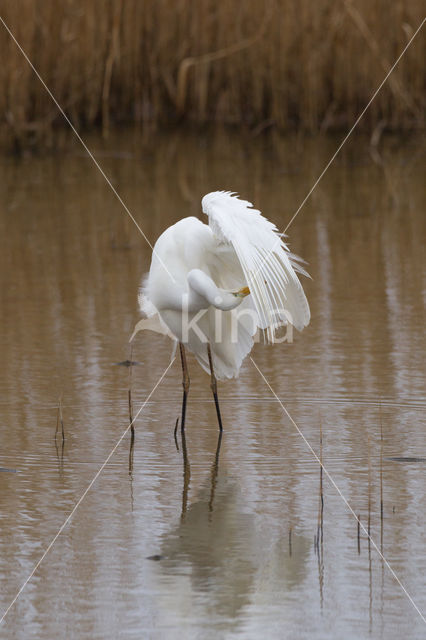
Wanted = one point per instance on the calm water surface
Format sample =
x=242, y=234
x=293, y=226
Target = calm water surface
x=191, y=543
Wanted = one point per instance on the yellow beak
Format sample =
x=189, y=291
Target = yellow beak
x=242, y=293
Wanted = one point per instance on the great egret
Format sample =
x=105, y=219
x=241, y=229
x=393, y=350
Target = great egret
x=212, y=287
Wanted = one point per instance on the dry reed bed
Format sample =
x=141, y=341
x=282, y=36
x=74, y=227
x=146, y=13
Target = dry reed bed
x=256, y=63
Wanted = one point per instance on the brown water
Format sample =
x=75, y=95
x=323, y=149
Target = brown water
x=213, y=548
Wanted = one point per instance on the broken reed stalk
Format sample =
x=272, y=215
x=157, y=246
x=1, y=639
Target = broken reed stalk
x=175, y=434
x=60, y=420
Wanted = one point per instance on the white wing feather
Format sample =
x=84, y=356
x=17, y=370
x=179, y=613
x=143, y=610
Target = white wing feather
x=268, y=266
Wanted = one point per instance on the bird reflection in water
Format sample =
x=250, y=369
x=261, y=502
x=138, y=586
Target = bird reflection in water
x=212, y=542
x=215, y=556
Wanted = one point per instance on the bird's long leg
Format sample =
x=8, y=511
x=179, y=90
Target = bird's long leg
x=214, y=473
x=186, y=477
x=213, y=386
x=185, y=384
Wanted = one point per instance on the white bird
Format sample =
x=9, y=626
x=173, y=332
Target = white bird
x=212, y=287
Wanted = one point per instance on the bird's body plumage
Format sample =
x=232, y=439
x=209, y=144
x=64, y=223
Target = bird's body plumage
x=199, y=271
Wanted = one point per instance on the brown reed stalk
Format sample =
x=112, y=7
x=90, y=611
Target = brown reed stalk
x=370, y=572
x=60, y=420
x=394, y=83
x=369, y=490
x=320, y=523
x=111, y=58
x=306, y=65
x=132, y=426
x=129, y=393
x=131, y=421
x=319, y=538
x=132, y=432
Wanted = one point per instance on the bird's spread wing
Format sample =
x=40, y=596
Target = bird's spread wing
x=269, y=268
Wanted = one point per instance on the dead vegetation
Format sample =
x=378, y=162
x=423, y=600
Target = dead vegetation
x=253, y=63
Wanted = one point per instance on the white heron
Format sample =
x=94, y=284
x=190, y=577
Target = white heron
x=212, y=287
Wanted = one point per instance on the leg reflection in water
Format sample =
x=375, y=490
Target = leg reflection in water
x=187, y=473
